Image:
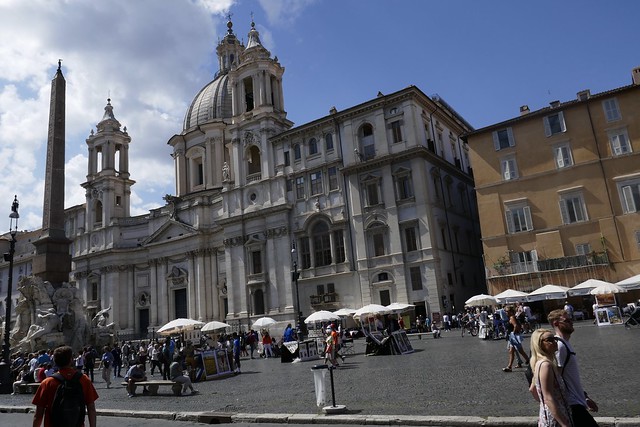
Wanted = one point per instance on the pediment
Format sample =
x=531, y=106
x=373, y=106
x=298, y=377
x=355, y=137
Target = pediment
x=169, y=231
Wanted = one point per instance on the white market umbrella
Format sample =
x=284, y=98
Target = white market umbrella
x=481, y=299
x=263, y=322
x=321, y=316
x=399, y=307
x=608, y=288
x=631, y=283
x=344, y=312
x=214, y=326
x=548, y=292
x=585, y=287
x=371, y=309
x=179, y=325
x=511, y=295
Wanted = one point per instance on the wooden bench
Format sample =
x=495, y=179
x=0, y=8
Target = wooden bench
x=154, y=385
x=25, y=388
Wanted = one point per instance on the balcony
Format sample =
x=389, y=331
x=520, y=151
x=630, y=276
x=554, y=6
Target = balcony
x=509, y=268
x=328, y=299
x=254, y=177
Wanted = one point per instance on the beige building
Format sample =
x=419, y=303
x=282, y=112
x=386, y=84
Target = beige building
x=559, y=191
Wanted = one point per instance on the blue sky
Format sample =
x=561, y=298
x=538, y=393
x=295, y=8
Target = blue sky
x=486, y=59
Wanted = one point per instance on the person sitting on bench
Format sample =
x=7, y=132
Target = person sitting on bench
x=177, y=374
x=135, y=374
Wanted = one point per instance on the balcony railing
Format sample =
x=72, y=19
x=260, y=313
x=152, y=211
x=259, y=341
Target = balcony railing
x=254, y=177
x=551, y=264
x=324, y=299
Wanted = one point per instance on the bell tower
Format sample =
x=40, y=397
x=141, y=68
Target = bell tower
x=108, y=187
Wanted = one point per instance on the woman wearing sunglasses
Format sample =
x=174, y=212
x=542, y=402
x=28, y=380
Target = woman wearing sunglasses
x=547, y=382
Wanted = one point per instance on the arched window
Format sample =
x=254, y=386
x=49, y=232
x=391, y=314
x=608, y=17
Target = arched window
x=367, y=144
x=297, y=154
x=321, y=244
x=313, y=146
x=254, y=160
x=98, y=214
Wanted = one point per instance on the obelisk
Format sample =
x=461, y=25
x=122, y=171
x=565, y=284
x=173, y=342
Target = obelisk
x=52, y=261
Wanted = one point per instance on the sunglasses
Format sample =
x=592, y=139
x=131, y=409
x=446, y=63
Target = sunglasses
x=550, y=339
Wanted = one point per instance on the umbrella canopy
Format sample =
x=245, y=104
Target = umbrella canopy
x=344, y=312
x=548, y=292
x=179, y=325
x=511, y=295
x=371, y=309
x=214, y=326
x=630, y=283
x=586, y=286
x=481, y=299
x=321, y=316
x=607, y=288
x=399, y=307
x=263, y=322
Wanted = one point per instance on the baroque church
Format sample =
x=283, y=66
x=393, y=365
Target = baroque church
x=373, y=204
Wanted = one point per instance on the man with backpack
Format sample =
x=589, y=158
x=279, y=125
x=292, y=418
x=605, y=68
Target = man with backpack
x=64, y=398
x=579, y=402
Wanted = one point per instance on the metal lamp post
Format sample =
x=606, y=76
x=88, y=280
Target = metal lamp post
x=294, y=277
x=6, y=385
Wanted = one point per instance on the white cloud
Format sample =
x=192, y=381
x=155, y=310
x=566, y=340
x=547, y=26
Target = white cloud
x=284, y=12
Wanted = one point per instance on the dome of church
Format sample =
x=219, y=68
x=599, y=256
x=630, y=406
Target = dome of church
x=212, y=102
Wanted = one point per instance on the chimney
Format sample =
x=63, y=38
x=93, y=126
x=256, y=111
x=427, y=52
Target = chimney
x=583, y=95
x=524, y=110
x=635, y=74
x=554, y=104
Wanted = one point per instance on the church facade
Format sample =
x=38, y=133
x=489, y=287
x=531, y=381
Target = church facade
x=373, y=204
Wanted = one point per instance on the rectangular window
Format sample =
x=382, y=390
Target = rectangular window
x=300, y=187
x=410, y=239
x=554, y=124
x=630, y=195
x=503, y=139
x=378, y=244
x=181, y=308
x=297, y=152
x=305, y=252
x=289, y=185
x=404, y=187
x=611, y=109
x=509, y=168
x=562, y=155
x=396, y=131
x=518, y=218
x=619, y=141
x=256, y=261
x=287, y=158
x=372, y=193
x=444, y=238
x=583, y=249
x=328, y=142
x=316, y=183
x=416, y=278
x=572, y=208
x=333, y=178
x=331, y=288
x=319, y=289
x=338, y=238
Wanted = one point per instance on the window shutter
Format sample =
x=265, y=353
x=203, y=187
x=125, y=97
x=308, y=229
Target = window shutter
x=559, y=157
x=506, y=170
x=629, y=203
x=534, y=259
x=511, y=227
x=563, y=125
x=547, y=128
x=496, y=141
x=615, y=144
x=512, y=169
x=512, y=141
x=563, y=211
x=527, y=218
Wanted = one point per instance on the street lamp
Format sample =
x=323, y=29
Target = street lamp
x=6, y=385
x=294, y=278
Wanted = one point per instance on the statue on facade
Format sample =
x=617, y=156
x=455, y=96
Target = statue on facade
x=226, y=174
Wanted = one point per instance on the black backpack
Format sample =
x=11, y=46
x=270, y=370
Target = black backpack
x=68, y=407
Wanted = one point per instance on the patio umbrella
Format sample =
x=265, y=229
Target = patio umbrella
x=585, y=287
x=344, y=312
x=321, y=316
x=371, y=309
x=548, y=292
x=179, y=325
x=481, y=299
x=607, y=288
x=631, y=283
x=263, y=322
x=214, y=326
x=511, y=295
x=399, y=307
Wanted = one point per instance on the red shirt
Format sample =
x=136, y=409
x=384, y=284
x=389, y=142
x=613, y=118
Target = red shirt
x=47, y=391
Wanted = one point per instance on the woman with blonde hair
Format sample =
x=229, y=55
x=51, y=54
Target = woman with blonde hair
x=547, y=383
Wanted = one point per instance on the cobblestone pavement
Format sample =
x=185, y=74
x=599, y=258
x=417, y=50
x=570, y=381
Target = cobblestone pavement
x=451, y=376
